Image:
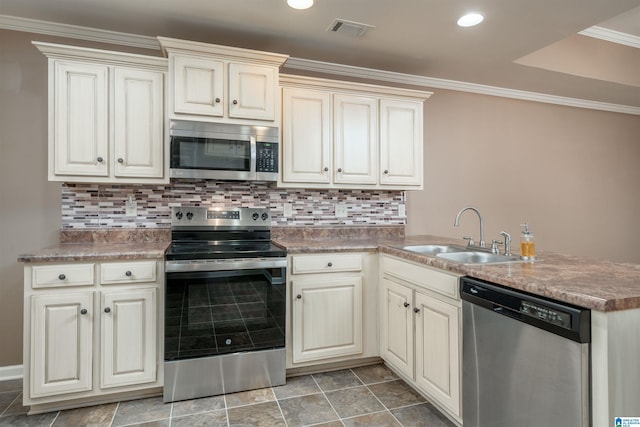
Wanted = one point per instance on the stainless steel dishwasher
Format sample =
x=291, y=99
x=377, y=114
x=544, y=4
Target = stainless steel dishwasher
x=526, y=359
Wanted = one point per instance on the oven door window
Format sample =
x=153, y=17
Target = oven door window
x=213, y=313
x=210, y=154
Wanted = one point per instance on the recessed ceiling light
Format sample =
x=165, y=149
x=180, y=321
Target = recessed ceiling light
x=470, y=19
x=300, y=4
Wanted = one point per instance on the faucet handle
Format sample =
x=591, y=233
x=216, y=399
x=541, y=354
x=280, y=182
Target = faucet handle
x=494, y=246
x=470, y=240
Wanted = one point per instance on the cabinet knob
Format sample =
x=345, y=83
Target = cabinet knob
x=385, y=172
x=326, y=169
x=107, y=310
x=406, y=304
x=235, y=102
x=416, y=310
x=83, y=311
x=99, y=159
x=339, y=169
x=217, y=100
x=120, y=160
x=61, y=277
x=299, y=296
x=330, y=264
x=128, y=273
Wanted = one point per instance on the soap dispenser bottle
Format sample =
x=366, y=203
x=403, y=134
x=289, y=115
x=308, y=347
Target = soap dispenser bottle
x=527, y=243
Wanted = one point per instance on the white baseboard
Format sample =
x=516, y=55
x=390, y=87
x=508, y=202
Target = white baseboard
x=11, y=372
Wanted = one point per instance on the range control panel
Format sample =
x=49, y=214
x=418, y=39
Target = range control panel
x=266, y=157
x=546, y=314
x=190, y=216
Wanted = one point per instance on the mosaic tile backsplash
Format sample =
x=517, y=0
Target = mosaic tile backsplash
x=93, y=206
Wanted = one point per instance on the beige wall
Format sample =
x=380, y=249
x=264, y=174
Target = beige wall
x=572, y=173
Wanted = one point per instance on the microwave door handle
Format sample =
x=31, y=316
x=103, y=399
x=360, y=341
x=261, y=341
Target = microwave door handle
x=253, y=148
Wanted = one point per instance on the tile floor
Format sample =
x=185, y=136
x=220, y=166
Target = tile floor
x=366, y=396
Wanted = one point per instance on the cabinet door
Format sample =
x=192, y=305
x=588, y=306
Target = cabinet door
x=397, y=326
x=198, y=86
x=400, y=143
x=80, y=119
x=327, y=317
x=306, y=136
x=128, y=350
x=61, y=343
x=138, y=123
x=438, y=351
x=252, y=92
x=355, y=139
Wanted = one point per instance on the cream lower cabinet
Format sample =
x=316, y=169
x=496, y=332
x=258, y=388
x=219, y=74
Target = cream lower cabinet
x=330, y=312
x=420, y=330
x=91, y=330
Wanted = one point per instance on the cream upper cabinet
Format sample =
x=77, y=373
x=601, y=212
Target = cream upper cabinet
x=401, y=142
x=106, y=116
x=216, y=83
x=348, y=135
x=355, y=139
x=80, y=93
x=138, y=123
x=198, y=85
x=307, y=136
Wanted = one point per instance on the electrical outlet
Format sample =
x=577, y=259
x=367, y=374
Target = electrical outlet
x=131, y=207
x=402, y=211
x=341, y=211
x=287, y=210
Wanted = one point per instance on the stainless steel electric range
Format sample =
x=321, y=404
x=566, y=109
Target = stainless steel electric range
x=225, y=303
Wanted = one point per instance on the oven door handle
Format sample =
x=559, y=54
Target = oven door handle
x=172, y=266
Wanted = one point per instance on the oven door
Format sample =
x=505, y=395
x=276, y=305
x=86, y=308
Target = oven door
x=216, y=307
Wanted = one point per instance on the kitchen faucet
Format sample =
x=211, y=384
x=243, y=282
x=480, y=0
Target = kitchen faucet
x=456, y=223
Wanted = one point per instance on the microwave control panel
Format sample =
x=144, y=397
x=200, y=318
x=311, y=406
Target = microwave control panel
x=266, y=157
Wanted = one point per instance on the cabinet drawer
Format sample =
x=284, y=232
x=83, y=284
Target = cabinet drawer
x=50, y=276
x=436, y=281
x=326, y=263
x=128, y=272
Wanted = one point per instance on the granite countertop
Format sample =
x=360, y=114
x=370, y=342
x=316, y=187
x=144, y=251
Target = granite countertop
x=596, y=284
x=85, y=251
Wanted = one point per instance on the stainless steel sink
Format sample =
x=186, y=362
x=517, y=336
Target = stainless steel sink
x=434, y=249
x=475, y=257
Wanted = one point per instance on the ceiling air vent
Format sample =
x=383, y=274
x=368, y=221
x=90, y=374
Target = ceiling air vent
x=349, y=28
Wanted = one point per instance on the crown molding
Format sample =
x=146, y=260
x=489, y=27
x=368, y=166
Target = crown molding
x=432, y=82
x=77, y=32
x=146, y=42
x=612, y=36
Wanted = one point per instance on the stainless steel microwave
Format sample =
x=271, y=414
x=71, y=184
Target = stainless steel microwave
x=223, y=151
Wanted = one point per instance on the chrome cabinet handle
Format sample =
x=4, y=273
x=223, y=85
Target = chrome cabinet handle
x=62, y=277
x=406, y=304
x=83, y=311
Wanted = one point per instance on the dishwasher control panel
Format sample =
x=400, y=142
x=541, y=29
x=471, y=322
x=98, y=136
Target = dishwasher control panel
x=546, y=314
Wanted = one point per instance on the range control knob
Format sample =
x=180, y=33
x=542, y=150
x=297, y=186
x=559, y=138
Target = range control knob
x=255, y=216
x=179, y=214
x=265, y=216
x=189, y=216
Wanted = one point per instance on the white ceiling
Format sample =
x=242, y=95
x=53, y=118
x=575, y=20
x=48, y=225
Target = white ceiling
x=417, y=37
